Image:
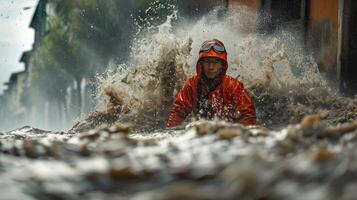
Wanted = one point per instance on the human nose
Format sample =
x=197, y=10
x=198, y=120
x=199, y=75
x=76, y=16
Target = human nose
x=211, y=66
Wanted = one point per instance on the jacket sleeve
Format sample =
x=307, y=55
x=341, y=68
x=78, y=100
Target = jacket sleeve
x=182, y=106
x=245, y=106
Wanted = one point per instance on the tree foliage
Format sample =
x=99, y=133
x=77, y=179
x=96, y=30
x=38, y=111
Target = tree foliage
x=84, y=36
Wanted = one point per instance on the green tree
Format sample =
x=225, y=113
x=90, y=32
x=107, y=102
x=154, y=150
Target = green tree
x=85, y=35
x=48, y=78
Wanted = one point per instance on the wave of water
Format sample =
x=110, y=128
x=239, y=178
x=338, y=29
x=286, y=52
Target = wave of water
x=275, y=68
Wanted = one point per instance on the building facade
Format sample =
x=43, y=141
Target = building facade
x=328, y=28
x=15, y=106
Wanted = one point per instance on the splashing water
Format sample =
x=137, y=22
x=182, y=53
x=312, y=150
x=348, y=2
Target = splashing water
x=141, y=91
x=207, y=160
x=281, y=77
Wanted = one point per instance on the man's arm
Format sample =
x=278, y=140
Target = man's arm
x=245, y=106
x=182, y=106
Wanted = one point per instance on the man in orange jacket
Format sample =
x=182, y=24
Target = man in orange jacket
x=211, y=93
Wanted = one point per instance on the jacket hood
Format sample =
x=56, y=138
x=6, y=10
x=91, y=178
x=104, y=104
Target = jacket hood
x=212, y=54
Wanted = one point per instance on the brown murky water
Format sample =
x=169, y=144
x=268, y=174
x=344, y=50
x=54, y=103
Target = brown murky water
x=303, y=148
x=207, y=160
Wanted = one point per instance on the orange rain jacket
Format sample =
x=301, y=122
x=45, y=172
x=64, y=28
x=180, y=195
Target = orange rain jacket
x=224, y=97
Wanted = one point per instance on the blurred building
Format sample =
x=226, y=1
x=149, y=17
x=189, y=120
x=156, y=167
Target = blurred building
x=197, y=8
x=15, y=108
x=39, y=21
x=328, y=28
x=14, y=111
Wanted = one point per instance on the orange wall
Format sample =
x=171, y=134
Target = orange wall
x=323, y=31
x=320, y=9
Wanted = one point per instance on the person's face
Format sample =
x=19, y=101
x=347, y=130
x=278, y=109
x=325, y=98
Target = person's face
x=212, y=67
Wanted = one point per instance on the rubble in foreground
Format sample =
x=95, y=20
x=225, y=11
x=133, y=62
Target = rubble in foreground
x=207, y=160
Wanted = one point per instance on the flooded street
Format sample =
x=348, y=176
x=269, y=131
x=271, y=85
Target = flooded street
x=207, y=160
x=303, y=146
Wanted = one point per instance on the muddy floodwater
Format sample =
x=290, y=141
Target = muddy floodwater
x=304, y=146
x=292, y=154
x=207, y=160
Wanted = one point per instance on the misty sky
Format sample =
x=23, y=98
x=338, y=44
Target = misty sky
x=15, y=35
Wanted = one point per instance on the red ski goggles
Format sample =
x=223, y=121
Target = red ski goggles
x=217, y=47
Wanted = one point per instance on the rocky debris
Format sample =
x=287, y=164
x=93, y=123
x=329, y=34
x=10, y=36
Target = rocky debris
x=275, y=107
x=207, y=160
